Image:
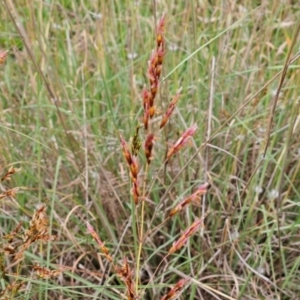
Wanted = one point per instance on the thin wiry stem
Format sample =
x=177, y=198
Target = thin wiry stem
x=141, y=233
x=282, y=174
x=208, y=134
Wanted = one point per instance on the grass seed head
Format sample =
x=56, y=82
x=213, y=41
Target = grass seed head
x=154, y=72
x=9, y=193
x=148, y=147
x=201, y=190
x=136, y=142
x=174, y=290
x=3, y=56
x=125, y=273
x=46, y=273
x=126, y=151
x=135, y=191
x=160, y=31
x=133, y=169
x=11, y=171
x=96, y=237
x=185, y=236
x=170, y=110
x=182, y=140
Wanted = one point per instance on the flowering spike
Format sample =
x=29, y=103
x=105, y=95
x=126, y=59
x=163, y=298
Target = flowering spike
x=174, y=290
x=148, y=147
x=96, y=237
x=182, y=140
x=46, y=273
x=3, y=56
x=152, y=111
x=126, y=152
x=9, y=193
x=11, y=171
x=201, y=190
x=133, y=168
x=170, y=109
x=154, y=73
x=125, y=273
x=135, y=192
x=160, y=31
x=136, y=142
x=146, y=116
x=146, y=97
x=185, y=236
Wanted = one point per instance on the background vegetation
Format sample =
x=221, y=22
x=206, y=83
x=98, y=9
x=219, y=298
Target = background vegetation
x=63, y=131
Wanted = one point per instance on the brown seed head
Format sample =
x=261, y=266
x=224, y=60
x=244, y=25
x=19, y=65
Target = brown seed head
x=96, y=237
x=170, y=109
x=136, y=142
x=201, y=190
x=3, y=56
x=160, y=31
x=186, y=234
x=149, y=146
x=174, y=290
x=126, y=151
x=182, y=140
x=125, y=273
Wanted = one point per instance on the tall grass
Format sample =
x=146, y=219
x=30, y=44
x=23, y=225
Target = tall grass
x=72, y=83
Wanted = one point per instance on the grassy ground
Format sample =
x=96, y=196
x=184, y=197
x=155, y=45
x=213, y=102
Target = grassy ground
x=72, y=83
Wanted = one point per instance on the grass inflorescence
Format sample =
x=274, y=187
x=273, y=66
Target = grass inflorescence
x=149, y=155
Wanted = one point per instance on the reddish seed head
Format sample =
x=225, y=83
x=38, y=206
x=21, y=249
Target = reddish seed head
x=160, y=56
x=152, y=111
x=153, y=89
x=154, y=72
x=135, y=192
x=148, y=147
x=170, y=109
x=160, y=31
x=186, y=234
x=182, y=140
x=146, y=97
x=201, y=190
x=126, y=151
x=174, y=290
x=134, y=168
x=125, y=273
x=3, y=56
x=96, y=237
x=146, y=116
x=153, y=60
x=158, y=70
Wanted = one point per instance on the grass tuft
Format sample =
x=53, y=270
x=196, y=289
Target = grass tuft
x=148, y=155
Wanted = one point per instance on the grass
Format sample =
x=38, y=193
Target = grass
x=63, y=131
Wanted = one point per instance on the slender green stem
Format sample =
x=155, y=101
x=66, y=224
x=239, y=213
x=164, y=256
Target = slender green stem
x=141, y=235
